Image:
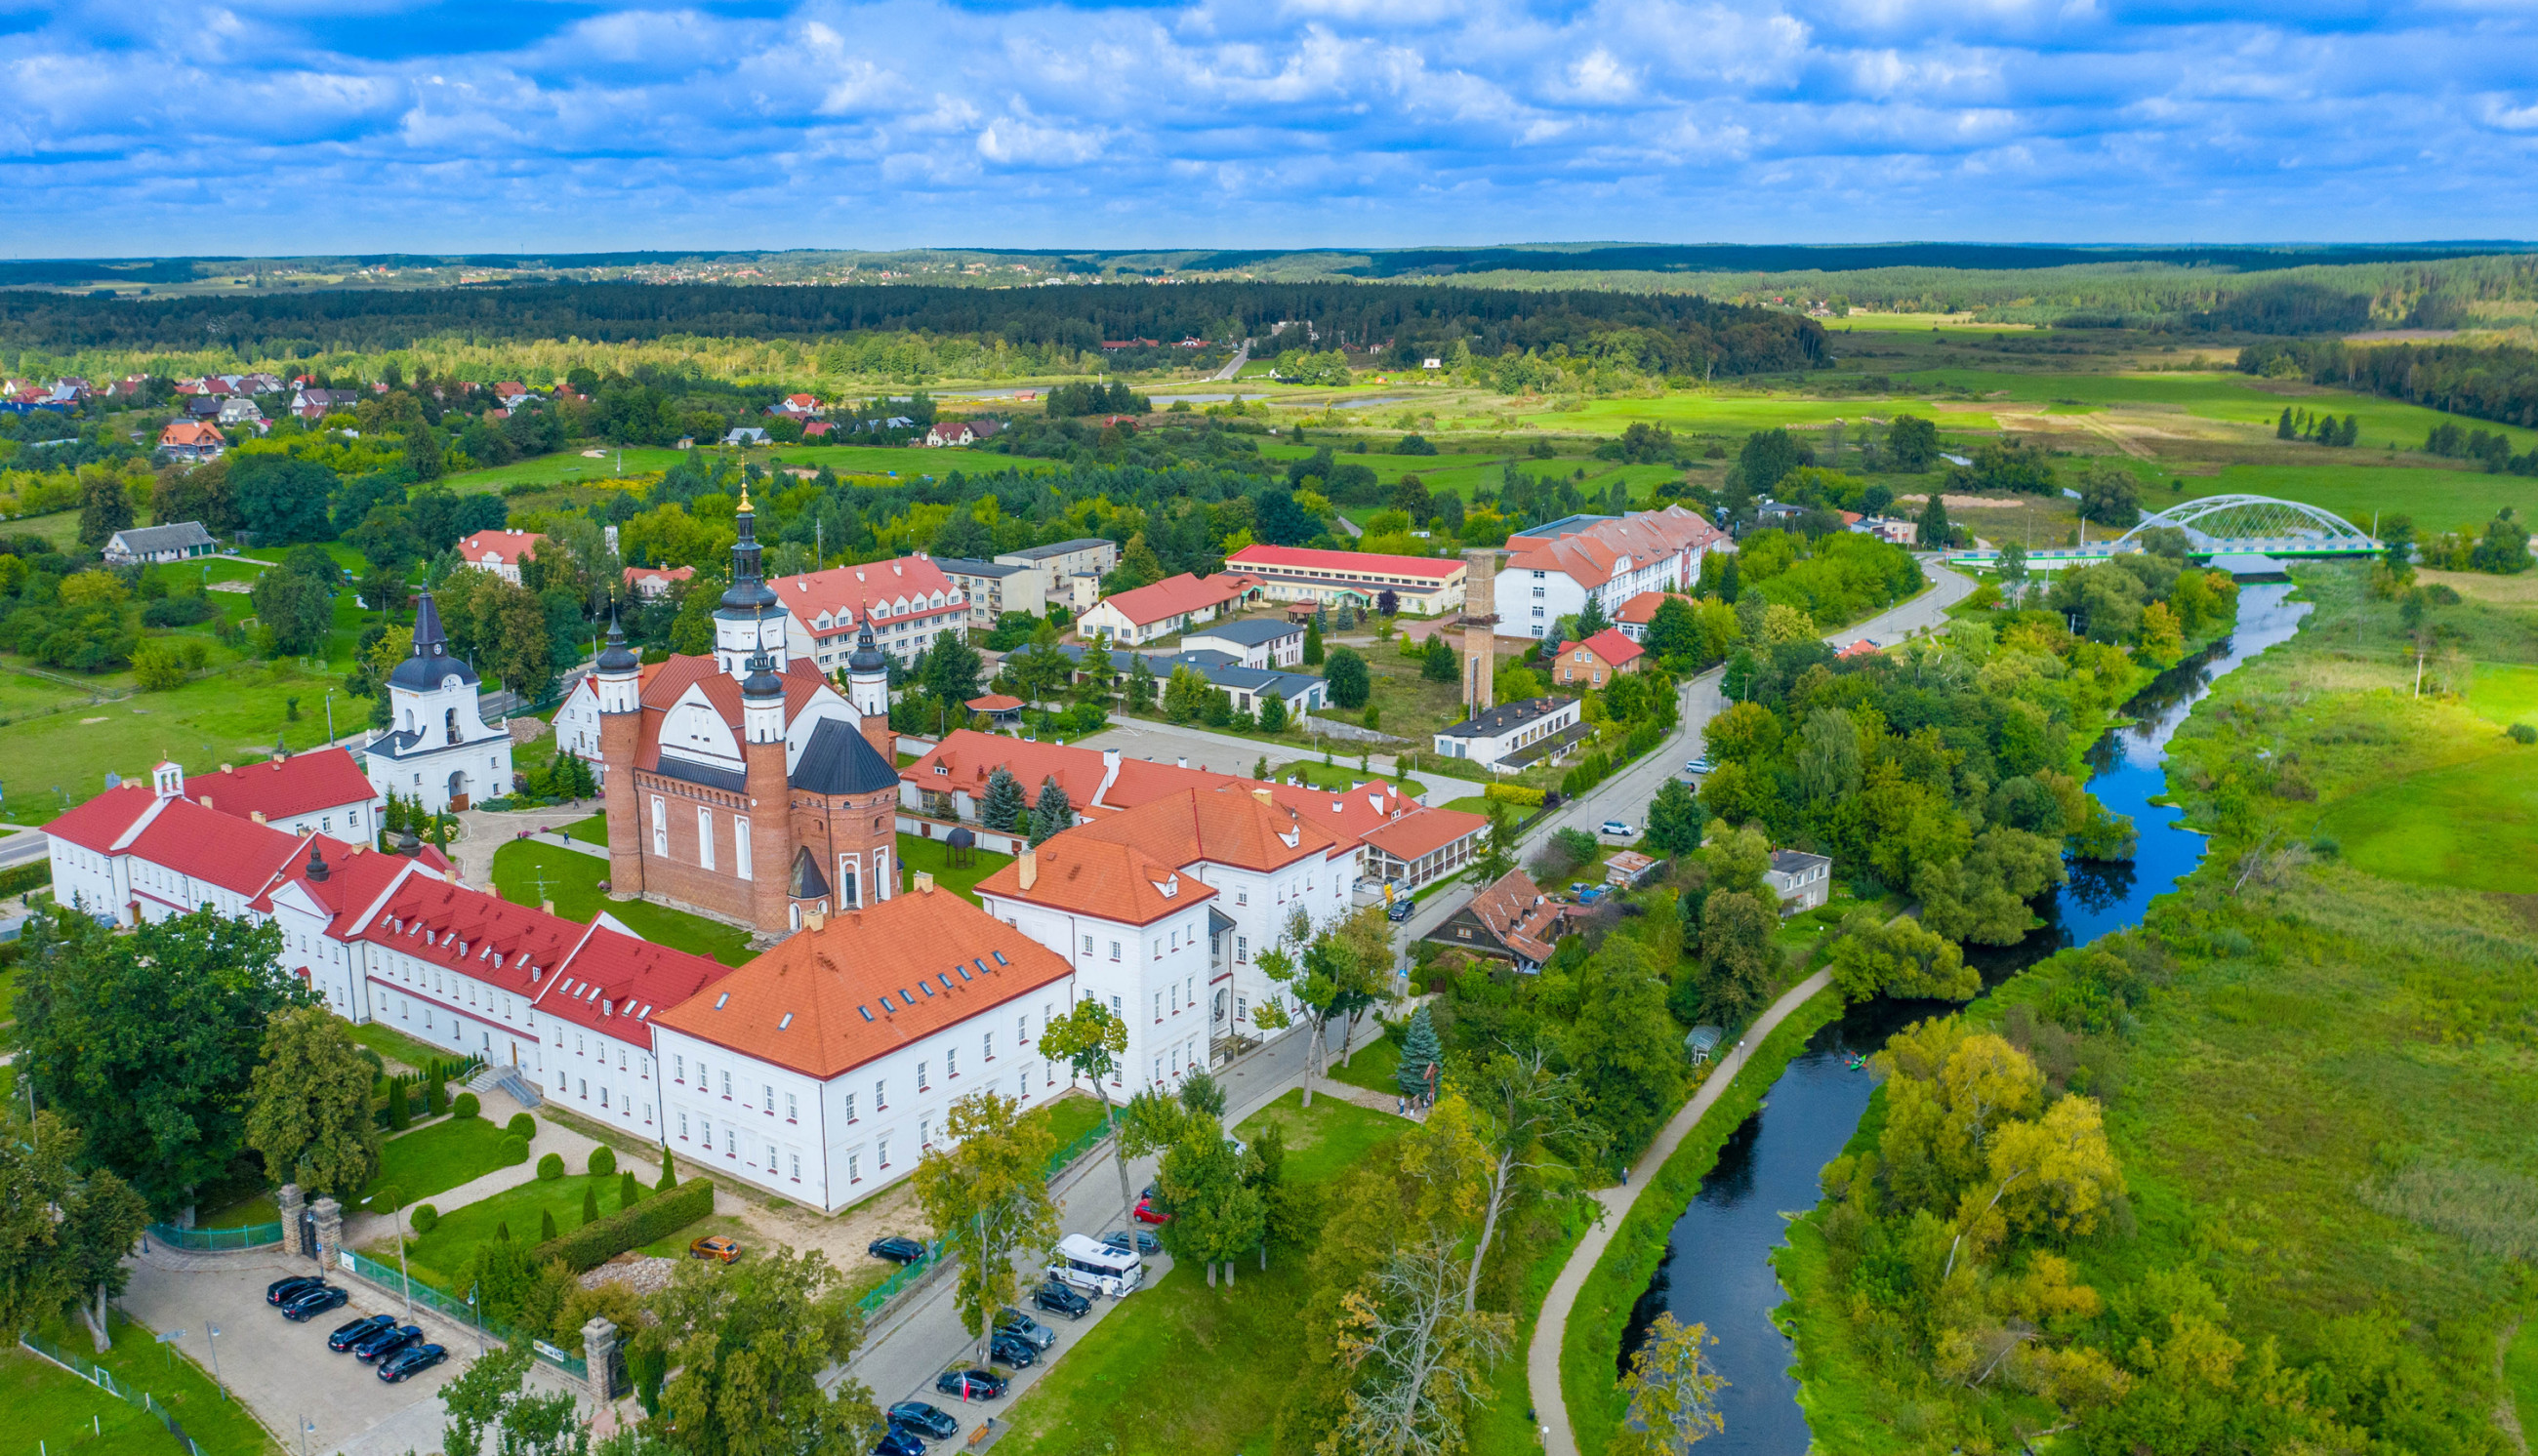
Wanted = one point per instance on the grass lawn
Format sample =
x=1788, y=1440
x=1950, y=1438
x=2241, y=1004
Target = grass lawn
x=1104, y=1396
x=591, y=830
x=1070, y=1117
x=572, y=467
x=232, y=717
x=1373, y=1067
x=2501, y=694
x=920, y=855
x=1339, y=775
x=675, y=1245
x=1472, y=804
x=51, y=1403
x=433, y=1159
x=525, y=871
x=247, y=1213
x=2473, y=824
x=395, y=1046
x=2355, y=483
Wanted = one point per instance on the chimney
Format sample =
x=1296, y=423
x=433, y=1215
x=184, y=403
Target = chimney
x=225, y=769
x=1264, y=796
x=1182, y=762
x=207, y=801
x=449, y=876
x=1029, y=860
x=814, y=921
x=256, y=813
x=547, y=907
x=924, y=882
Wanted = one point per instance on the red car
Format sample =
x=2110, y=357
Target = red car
x=1148, y=1212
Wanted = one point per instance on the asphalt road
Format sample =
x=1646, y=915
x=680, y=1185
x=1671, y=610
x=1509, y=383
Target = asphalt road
x=1242, y=357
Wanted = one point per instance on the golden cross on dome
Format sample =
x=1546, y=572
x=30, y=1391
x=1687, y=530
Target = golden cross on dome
x=744, y=498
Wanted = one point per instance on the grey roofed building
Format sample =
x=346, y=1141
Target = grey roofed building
x=839, y=759
x=969, y=566
x=1250, y=632
x=170, y=543
x=1567, y=525
x=1803, y=881
x=1247, y=685
x=1062, y=547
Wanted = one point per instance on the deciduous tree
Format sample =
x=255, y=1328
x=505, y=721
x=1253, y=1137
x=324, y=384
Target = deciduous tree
x=309, y=1104
x=747, y=1346
x=988, y=1189
x=1091, y=1039
x=1671, y=1390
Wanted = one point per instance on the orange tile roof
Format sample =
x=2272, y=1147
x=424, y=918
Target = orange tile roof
x=1088, y=876
x=1174, y=595
x=282, y=788
x=1226, y=824
x=507, y=546
x=1306, y=558
x=1588, y=556
x=1425, y=831
x=1641, y=610
x=905, y=586
x=1609, y=645
x=825, y=1001
x=966, y=758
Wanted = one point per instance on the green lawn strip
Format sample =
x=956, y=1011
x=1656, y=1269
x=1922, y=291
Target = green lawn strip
x=526, y=870
x=1590, y=1346
x=591, y=830
x=921, y=855
x=441, y=1257
x=1470, y=803
x=1070, y=1117
x=1373, y=1067
x=436, y=1158
x=138, y=1363
x=2520, y=1373
x=247, y=1213
x=42, y=1403
x=2503, y=694
x=2473, y=824
x=2361, y=486
x=394, y=1045
x=1103, y=1396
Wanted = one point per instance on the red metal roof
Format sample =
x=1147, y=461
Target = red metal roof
x=1174, y=595
x=1306, y=558
x=280, y=788
x=504, y=546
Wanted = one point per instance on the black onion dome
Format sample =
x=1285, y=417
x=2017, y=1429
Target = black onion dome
x=617, y=658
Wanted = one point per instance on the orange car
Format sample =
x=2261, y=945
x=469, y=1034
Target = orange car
x=715, y=1246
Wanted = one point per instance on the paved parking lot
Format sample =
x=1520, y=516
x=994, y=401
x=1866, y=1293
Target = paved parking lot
x=284, y=1371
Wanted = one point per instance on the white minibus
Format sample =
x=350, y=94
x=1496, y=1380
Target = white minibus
x=1096, y=1267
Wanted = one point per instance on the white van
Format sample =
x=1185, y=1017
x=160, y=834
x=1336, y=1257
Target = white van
x=1097, y=1268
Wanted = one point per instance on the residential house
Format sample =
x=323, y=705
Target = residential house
x=796, y=407
x=1551, y=570
x=1802, y=880
x=1511, y=920
x=1060, y=563
x=177, y=542
x=1637, y=612
x=1257, y=642
x=240, y=410
x=948, y=432
x=323, y=792
x=651, y=583
x=1175, y=604
x=1426, y=586
x=1597, y=660
x=1627, y=868
x=745, y=434
x=1514, y=734
x=500, y=552
x=190, y=440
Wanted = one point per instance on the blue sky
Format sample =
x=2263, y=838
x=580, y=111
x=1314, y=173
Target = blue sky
x=294, y=126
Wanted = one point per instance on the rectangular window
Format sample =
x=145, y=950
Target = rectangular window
x=683, y=1127
x=1087, y=945
x=920, y=1077
x=704, y=836
x=951, y=1064
x=740, y=846
x=1242, y=950
x=726, y=1087
x=1159, y=1006
x=1114, y=949
x=988, y=1045
x=730, y=1144
x=770, y=1160
x=768, y=1103
x=792, y=1110
x=1022, y=1029
x=1242, y=1008
x=660, y=828
x=855, y=1167
x=848, y=1106
x=797, y=1168
x=881, y=1094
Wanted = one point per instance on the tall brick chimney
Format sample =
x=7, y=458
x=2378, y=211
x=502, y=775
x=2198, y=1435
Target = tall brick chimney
x=1479, y=624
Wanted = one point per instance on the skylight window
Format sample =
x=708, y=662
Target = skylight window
x=867, y=1011
x=927, y=987
x=722, y=1000
x=787, y=1022
x=947, y=980
x=965, y=972
x=980, y=963
x=1000, y=958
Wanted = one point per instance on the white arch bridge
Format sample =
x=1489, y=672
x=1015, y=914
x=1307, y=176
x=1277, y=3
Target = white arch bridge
x=2217, y=527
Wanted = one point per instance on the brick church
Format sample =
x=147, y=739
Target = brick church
x=742, y=783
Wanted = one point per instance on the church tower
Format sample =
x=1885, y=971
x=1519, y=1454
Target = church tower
x=767, y=834
x=437, y=751
x=868, y=690
x=619, y=683
x=749, y=609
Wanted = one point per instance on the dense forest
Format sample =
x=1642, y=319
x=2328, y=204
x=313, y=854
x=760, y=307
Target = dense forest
x=1669, y=333
x=2484, y=383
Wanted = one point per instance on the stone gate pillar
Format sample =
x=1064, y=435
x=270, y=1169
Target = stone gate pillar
x=291, y=1202
x=330, y=1230
x=599, y=1352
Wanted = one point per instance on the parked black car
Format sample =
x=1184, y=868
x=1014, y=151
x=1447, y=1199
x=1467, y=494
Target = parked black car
x=314, y=1302
x=410, y=1360
x=1400, y=910
x=1015, y=1322
x=1126, y=1239
x=897, y=1441
x=927, y=1420
x=1012, y=1350
x=348, y=1336
x=972, y=1384
x=1057, y=1296
x=283, y=1290
x=388, y=1342
x=898, y=1248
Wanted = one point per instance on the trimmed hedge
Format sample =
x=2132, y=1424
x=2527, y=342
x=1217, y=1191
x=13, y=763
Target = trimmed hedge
x=522, y=1126
x=514, y=1149
x=465, y=1105
x=603, y=1161
x=594, y=1244
x=25, y=878
x=425, y=1218
x=1513, y=793
x=551, y=1168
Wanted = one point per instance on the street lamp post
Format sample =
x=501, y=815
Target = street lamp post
x=212, y=1332
x=403, y=1278
x=330, y=717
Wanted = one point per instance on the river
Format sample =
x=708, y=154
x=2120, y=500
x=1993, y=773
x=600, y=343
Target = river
x=1717, y=1269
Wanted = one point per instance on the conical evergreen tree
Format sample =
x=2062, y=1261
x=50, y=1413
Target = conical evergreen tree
x=1419, y=1053
x=545, y=1226
x=629, y=1192
x=669, y=1174
x=1052, y=813
x=590, y=1199
x=1005, y=801
x=400, y=1116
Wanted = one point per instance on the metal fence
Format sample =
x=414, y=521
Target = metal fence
x=104, y=1379
x=388, y=1277
x=911, y=1272
x=217, y=1240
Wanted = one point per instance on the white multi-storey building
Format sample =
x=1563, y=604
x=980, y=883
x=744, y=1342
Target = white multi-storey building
x=1551, y=570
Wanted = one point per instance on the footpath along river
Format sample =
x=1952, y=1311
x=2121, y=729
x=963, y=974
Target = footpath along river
x=1717, y=1268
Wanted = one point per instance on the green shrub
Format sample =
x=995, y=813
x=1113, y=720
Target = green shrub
x=2524, y=733
x=425, y=1218
x=522, y=1126
x=514, y=1150
x=594, y=1244
x=545, y=1228
x=465, y=1105
x=589, y=1204
x=603, y=1161
x=1516, y=794
x=25, y=878
x=629, y=1192
x=550, y=1168
x=400, y=1117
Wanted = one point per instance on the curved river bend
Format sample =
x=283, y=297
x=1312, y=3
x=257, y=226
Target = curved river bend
x=1717, y=1269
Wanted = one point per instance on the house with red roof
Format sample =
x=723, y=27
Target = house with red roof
x=1551, y=570
x=323, y=792
x=192, y=439
x=499, y=551
x=908, y=601
x=796, y=407
x=1640, y=609
x=651, y=583
x=1427, y=586
x=1175, y=604
x=1597, y=660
